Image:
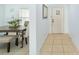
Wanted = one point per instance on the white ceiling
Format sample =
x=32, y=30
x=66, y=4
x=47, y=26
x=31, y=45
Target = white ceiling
x=56, y=5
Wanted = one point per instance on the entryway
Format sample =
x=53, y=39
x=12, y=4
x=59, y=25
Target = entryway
x=58, y=41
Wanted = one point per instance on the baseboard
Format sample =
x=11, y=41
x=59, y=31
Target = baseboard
x=43, y=44
x=73, y=42
x=58, y=33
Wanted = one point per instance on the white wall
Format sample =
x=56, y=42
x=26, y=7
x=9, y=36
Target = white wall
x=42, y=28
x=74, y=23
x=12, y=10
x=32, y=30
x=66, y=11
x=2, y=14
x=50, y=18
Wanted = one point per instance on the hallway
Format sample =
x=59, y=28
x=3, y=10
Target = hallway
x=58, y=44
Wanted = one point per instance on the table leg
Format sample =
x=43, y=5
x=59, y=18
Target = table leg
x=16, y=43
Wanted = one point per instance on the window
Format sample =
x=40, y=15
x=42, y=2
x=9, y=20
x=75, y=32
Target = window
x=23, y=15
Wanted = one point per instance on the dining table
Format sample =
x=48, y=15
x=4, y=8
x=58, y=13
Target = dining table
x=20, y=29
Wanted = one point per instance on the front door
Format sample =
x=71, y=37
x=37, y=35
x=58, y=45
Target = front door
x=57, y=20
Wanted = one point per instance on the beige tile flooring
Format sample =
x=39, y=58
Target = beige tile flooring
x=14, y=49
x=58, y=44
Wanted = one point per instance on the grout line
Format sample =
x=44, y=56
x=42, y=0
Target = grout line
x=62, y=47
x=52, y=46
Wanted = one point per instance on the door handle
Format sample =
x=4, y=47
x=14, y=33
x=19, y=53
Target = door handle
x=52, y=20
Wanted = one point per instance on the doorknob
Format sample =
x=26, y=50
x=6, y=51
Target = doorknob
x=52, y=20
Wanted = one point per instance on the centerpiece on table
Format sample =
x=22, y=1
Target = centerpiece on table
x=14, y=23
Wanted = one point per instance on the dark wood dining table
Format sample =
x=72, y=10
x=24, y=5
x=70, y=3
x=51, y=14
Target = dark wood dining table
x=18, y=30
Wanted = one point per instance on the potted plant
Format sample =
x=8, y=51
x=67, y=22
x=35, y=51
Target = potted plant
x=14, y=23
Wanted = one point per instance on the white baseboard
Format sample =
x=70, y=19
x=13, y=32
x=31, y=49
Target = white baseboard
x=74, y=43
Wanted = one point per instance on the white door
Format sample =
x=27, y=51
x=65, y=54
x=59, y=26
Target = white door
x=57, y=20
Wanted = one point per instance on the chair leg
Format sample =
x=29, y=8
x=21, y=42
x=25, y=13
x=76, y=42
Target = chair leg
x=8, y=47
x=16, y=43
x=26, y=40
x=22, y=39
x=22, y=42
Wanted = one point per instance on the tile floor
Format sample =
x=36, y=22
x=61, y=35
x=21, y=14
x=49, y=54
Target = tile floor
x=58, y=44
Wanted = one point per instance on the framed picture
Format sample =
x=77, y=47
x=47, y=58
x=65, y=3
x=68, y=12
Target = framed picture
x=45, y=11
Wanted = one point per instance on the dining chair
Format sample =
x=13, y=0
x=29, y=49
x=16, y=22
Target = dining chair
x=26, y=36
x=26, y=33
x=7, y=40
